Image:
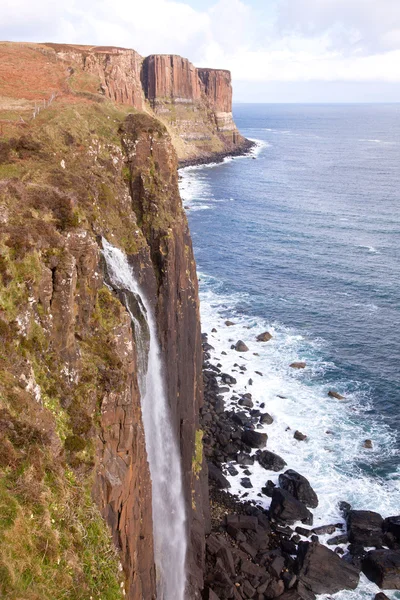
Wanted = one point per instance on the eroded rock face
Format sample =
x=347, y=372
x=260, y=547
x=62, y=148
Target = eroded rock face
x=155, y=197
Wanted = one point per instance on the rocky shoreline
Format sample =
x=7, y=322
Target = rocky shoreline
x=218, y=157
x=264, y=554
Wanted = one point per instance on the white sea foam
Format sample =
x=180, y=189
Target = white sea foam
x=298, y=400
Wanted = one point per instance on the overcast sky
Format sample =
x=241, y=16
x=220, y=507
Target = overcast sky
x=277, y=50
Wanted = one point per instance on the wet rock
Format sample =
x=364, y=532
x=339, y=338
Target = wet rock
x=241, y=418
x=383, y=568
x=365, y=527
x=344, y=508
x=247, y=402
x=270, y=461
x=289, y=579
x=321, y=571
x=268, y=488
x=266, y=419
x=245, y=459
x=368, y=444
x=339, y=539
x=232, y=471
x=228, y=379
x=303, y=531
x=254, y=439
x=298, y=365
x=207, y=347
x=299, y=487
x=229, y=323
x=285, y=507
x=213, y=330
x=333, y=394
x=299, y=436
x=324, y=529
x=240, y=346
x=246, y=483
x=392, y=525
x=216, y=475
x=381, y=596
x=264, y=337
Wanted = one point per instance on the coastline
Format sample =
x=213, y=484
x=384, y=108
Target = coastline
x=224, y=421
x=218, y=157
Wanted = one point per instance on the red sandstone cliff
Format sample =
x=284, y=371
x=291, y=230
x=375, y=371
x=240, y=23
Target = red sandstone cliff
x=194, y=104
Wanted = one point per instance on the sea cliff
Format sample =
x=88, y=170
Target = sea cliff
x=78, y=165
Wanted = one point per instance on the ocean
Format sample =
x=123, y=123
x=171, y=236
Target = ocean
x=302, y=239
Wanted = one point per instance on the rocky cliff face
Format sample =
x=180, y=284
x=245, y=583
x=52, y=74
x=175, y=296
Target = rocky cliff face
x=72, y=448
x=194, y=104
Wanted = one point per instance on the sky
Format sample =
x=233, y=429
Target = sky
x=277, y=50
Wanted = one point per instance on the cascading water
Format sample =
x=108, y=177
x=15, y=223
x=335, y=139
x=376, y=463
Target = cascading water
x=169, y=530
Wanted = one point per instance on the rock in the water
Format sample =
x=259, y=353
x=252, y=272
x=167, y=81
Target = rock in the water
x=343, y=538
x=270, y=461
x=368, y=444
x=241, y=346
x=254, y=439
x=285, y=507
x=268, y=488
x=216, y=475
x=336, y=395
x=321, y=571
x=228, y=379
x=247, y=402
x=264, y=337
x=246, y=482
x=298, y=365
x=383, y=568
x=299, y=487
x=381, y=596
x=229, y=323
x=266, y=419
x=365, y=527
x=300, y=437
x=245, y=459
x=344, y=508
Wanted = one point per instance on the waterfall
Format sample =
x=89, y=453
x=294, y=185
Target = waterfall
x=169, y=530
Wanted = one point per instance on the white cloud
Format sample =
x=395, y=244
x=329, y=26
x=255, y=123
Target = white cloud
x=290, y=40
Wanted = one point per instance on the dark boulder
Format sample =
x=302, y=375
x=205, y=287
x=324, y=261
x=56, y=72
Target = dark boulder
x=298, y=365
x=381, y=596
x=321, y=571
x=246, y=483
x=343, y=538
x=392, y=525
x=268, y=488
x=245, y=459
x=299, y=487
x=254, y=439
x=344, y=508
x=216, y=475
x=228, y=379
x=240, y=346
x=270, y=461
x=266, y=419
x=365, y=527
x=264, y=337
x=246, y=402
x=383, y=568
x=285, y=507
x=300, y=437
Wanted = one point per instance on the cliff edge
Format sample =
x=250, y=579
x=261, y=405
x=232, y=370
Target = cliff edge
x=194, y=104
x=75, y=488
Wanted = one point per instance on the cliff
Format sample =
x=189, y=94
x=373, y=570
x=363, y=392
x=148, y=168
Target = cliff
x=75, y=489
x=194, y=104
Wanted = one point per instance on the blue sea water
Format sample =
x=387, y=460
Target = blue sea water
x=303, y=239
